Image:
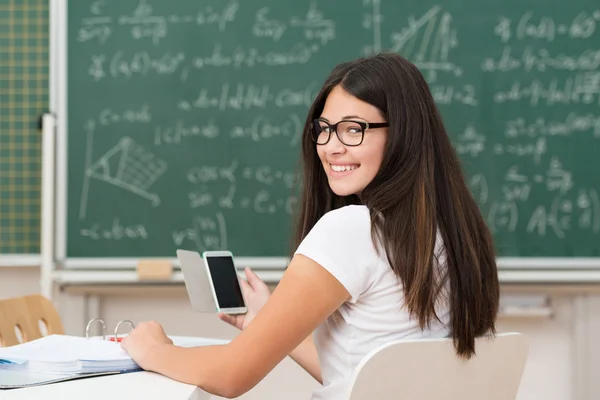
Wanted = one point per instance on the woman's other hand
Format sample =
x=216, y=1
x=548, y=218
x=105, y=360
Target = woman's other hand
x=143, y=340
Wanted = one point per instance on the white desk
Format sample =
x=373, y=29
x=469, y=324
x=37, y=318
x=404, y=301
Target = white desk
x=132, y=386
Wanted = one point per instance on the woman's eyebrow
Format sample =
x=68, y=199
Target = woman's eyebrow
x=352, y=116
x=345, y=117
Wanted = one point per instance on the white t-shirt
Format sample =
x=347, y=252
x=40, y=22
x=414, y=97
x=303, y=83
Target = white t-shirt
x=375, y=314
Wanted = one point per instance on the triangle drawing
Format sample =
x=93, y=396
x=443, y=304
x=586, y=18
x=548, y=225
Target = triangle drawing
x=131, y=167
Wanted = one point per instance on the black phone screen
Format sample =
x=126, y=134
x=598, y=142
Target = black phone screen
x=225, y=282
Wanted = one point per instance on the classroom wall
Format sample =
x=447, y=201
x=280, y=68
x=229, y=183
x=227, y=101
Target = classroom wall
x=552, y=372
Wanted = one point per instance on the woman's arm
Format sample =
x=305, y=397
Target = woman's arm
x=256, y=294
x=307, y=357
x=306, y=295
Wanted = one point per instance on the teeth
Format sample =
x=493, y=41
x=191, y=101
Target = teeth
x=341, y=168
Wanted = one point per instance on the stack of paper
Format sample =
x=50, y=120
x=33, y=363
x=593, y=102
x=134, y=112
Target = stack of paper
x=57, y=358
x=72, y=354
x=67, y=354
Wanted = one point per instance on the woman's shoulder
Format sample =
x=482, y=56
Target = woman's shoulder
x=348, y=213
x=352, y=220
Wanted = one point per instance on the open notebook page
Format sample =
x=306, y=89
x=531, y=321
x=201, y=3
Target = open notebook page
x=66, y=349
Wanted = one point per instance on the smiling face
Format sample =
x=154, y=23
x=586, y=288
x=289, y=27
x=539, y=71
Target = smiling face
x=350, y=169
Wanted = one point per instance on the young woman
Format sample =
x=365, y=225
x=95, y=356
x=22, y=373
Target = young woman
x=391, y=245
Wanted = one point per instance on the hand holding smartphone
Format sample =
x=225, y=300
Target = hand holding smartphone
x=224, y=282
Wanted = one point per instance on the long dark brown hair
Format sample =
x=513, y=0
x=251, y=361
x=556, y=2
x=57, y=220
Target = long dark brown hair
x=418, y=192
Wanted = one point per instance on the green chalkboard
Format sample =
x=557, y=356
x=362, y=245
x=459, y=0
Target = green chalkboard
x=184, y=116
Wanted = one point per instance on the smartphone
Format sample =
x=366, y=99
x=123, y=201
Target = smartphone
x=224, y=281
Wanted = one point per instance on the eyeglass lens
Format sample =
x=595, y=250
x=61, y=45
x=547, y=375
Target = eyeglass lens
x=348, y=132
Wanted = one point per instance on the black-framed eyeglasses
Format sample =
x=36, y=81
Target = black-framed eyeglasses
x=349, y=132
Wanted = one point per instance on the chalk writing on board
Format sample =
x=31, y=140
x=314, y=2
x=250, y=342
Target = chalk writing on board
x=110, y=116
x=558, y=216
x=542, y=59
x=451, y=94
x=582, y=88
x=240, y=96
x=574, y=123
x=479, y=187
x=209, y=232
x=543, y=27
x=532, y=149
x=143, y=23
x=200, y=199
x=137, y=64
x=174, y=134
x=261, y=202
x=565, y=214
x=427, y=42
x=141, y=63
x=128, y=166
x=588, y=201
x=314, y=25
x=265, y=174
x=264, y=203
x=95, y=28
x=116, y=231
x=268, y=175
x=210, y=173
x=503, y=216
x=300, y=53
x=518, y=186
x=268, y=27
x=262, y=128
x=372, y=20
x=89, y=128
x=470, y=142
x=567, y=209
x=96, y=68
x=97, y=7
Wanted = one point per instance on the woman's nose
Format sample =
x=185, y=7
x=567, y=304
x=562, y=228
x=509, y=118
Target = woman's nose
x=334, y=145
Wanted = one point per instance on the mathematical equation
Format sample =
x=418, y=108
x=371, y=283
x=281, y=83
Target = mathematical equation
x=530, y=26
x=121, y=65
x=261, y=128
x=580, y=212
x=143, y=23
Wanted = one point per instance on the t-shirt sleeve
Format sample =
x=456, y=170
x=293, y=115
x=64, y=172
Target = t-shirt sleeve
x=341, y=243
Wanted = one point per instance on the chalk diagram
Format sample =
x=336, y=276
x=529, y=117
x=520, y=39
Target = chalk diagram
x=127, y=165
x=427, y=42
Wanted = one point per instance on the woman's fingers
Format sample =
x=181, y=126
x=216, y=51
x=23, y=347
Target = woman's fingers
x=246, y=288
x=230, y=319
x=253, y=279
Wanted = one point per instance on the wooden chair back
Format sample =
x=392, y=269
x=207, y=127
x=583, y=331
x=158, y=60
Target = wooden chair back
x=26, y=318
